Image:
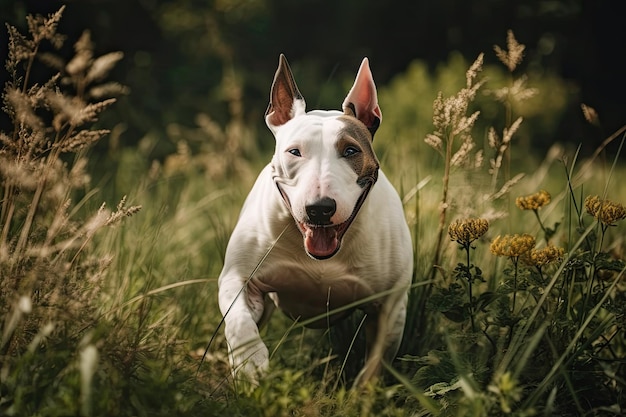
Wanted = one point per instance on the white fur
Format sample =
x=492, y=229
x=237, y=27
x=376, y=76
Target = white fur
x=375, y=254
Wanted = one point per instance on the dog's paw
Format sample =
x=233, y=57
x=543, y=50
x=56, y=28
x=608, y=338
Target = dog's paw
x=250, y=361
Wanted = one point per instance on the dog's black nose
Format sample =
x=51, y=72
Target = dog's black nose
x=321, y=211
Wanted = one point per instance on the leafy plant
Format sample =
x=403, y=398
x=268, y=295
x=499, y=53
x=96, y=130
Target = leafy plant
x=549, y=324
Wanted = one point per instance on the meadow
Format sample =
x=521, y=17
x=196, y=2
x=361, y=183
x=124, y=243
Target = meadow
x=108, y=276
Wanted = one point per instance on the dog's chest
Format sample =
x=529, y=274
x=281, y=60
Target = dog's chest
x=305, y=291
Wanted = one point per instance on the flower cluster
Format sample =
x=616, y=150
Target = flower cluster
x=533, y=201
x=465, y=231
x=512, y=246
x=605, y=211
x=544, y=256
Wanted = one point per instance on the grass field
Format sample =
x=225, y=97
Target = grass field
x=517, y=306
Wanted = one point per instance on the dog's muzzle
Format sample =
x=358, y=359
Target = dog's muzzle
x=322, y=239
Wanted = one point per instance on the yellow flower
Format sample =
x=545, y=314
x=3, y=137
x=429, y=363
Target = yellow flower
x=465, y=231
x=606, y=211
x=533, y=201
x=512, y=246
x=544, y=256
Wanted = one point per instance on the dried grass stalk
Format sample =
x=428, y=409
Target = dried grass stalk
x=44, y=246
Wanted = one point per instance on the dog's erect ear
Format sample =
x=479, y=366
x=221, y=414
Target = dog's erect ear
x=362, y=100
x=286, y=102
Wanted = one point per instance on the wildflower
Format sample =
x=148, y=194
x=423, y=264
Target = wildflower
x=466, y=231
x=544, y=256
x=512, y=246
x=533, y=201
x=605, y=211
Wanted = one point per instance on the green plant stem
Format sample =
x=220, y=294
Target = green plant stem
x=440, y=233
x=567, y=357
x=592, y=271
x=444, y=206
x=545, y=309
x=469, y=287
x=545, y=232
x=515, y=260
x=603, y=228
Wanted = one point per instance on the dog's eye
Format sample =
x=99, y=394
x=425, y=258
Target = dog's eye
x=350, y=151
x=295, y=152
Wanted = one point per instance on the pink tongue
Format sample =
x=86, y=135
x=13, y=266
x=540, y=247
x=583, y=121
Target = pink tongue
x=321, y=241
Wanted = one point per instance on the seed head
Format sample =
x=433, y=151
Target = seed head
x=465, y=231
x=512, y=246
x=533, y=201
x=514, y=53
x=591, y=115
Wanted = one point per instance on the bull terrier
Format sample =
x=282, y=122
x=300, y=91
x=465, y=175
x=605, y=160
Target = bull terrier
x=321, y=229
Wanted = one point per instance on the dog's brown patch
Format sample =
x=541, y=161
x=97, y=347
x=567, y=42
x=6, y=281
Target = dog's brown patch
x=364, y=162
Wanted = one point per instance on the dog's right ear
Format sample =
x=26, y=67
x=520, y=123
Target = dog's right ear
x=362, y=100
x=286, y=102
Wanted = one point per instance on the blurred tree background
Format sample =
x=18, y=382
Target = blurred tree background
x=184, y=58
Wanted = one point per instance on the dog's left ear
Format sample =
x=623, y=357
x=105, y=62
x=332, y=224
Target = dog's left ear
x=362, y=100
x=286, y=102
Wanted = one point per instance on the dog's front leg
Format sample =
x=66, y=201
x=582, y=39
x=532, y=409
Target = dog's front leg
x=242, y=306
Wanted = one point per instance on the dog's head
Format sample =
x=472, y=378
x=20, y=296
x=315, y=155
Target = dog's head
x=324, y=164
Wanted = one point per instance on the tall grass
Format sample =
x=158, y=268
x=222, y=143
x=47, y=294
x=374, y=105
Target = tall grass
x=534, y=333
x=518, y=299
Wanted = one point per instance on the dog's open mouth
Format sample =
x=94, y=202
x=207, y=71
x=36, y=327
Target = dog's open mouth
x=322, y=242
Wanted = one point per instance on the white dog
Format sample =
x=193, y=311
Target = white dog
x=322, y=228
